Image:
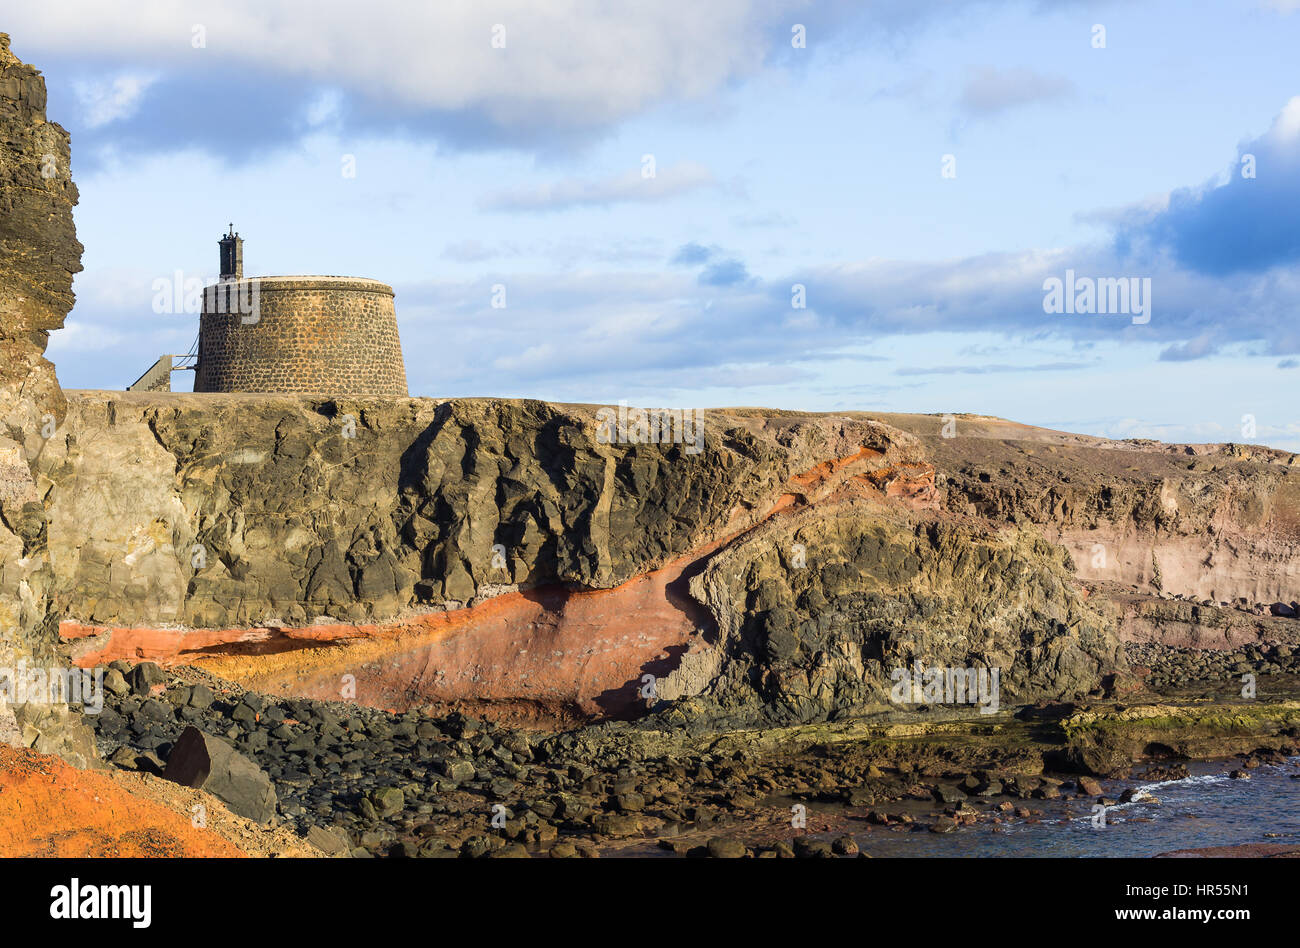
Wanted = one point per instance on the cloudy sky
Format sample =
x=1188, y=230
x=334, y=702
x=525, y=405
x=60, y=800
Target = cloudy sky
x=653, y=189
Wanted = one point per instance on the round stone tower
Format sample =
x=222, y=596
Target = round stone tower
x=318, y=335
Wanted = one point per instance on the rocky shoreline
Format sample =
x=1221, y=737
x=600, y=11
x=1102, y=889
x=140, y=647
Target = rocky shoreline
x=363, y=782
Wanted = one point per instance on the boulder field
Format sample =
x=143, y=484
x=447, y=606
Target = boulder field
x=352, y=780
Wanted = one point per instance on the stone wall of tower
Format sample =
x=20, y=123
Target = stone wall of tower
x=309, y=335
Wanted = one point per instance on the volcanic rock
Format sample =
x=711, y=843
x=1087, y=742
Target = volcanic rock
x=209, y=763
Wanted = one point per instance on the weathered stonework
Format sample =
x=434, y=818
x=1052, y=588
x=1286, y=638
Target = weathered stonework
x=307, y=335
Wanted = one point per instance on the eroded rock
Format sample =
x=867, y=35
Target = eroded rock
x=208, y=763
x=39, y=254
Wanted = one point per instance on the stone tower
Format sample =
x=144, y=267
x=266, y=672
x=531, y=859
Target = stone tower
x=313, y=335
x=232, y=255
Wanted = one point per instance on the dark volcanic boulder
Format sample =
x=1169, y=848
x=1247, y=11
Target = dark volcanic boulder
x=208, y=763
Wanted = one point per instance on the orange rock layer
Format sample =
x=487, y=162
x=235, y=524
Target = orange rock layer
x=48, y=808
x=544, y=655
x=541, y=653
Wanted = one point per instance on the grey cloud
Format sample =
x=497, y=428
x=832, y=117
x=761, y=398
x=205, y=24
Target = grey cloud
x=992, y=368
x=691, y=254
x=990, y=90
x=724, y=273
x=630, y=186
x=1243, y=224
x=1199, y=348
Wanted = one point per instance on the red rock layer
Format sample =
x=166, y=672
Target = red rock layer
x=543, y=655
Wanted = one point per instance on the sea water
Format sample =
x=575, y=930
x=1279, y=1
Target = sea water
x=1207, y=808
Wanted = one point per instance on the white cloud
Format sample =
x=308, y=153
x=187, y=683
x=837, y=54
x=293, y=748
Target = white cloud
x=583, y=63
x=76, y=336
x=325, y=108
x=113, y=99
x=1286, y=127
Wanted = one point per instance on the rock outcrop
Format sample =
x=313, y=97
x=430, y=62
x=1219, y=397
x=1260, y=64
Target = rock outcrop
x=1218, y=522
x=495, y=553
x=1105, y=742
x=823, y=614
x=489, y=554
x=39, y=254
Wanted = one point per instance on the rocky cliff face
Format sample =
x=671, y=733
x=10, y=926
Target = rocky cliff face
x=875, y=589
x=39, y=254
x=212, y=510
x=1218, y=522
x=38, y=247
x=781, y=574
x=498, y=555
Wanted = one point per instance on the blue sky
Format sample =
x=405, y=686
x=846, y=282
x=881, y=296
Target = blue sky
x=525, y=167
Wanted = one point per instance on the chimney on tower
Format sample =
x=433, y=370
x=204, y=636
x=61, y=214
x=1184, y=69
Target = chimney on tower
x=232, y=255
